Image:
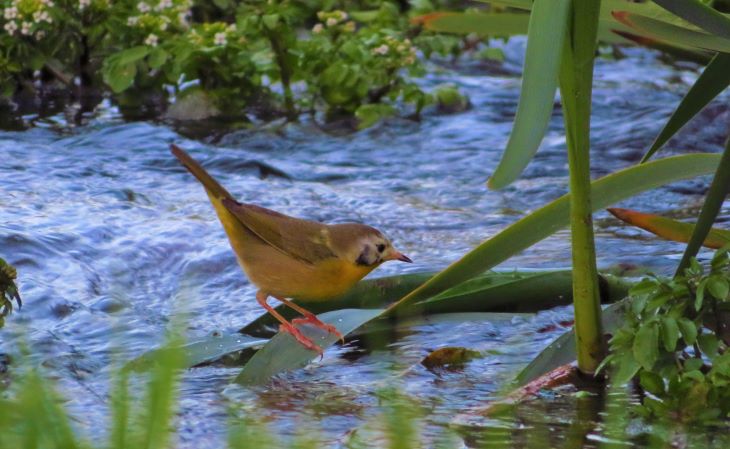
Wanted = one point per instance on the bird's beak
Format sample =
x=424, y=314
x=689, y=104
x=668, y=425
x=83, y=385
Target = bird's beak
x=400, y=256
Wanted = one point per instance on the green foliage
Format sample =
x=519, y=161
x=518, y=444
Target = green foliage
x=271, y=57
x=673, y=342
x=8, y=290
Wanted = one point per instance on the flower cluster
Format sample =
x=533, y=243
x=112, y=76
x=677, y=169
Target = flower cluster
x=333, y=20
x=157, y=18
x=28, y=17
x=218, y=34
x=403, y=52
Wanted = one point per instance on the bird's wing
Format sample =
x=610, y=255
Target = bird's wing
x=304, y=240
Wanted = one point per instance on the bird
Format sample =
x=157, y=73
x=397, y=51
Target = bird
x=287, y=257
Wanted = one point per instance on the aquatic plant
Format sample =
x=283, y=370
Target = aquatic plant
x=8, y=290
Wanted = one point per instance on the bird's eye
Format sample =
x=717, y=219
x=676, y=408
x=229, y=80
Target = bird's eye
x=381, y=247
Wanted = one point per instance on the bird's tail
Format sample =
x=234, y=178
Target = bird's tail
x=211, y=185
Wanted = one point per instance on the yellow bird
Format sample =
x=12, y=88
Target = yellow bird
x=287, y=257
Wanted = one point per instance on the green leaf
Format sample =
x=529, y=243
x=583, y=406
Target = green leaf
x=700, y=295
x=369, y=114
x=673, y=34
x=271, y=21
x=483, y=24
x=718, y=287
x=157, y=58
x=283, y=352
x=646, y=345
x=688, y=329
x=709, y=344
x=718, y=191
x=670, y=333
x=713, y=80
x=626, y=368
x=545, y=34
x=652, y=382
x=693, y=364
x=119, y=78
x=698, y=14
x=533, y=228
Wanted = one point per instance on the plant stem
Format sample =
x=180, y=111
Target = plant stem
x=284, y=73
x=576, y=78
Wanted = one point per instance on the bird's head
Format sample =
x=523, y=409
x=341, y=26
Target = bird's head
x=373, y=248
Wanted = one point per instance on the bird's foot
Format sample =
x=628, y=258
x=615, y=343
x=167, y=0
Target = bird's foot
x=301, y=338
x=313, y=320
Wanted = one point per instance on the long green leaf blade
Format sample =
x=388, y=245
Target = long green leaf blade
x=713, y=80
x=698, y=14
x=545, y=34
x=719, y=189
x=673, y=34
x=510, y=241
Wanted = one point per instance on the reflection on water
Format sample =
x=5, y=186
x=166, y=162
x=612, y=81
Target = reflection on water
x=105, y=228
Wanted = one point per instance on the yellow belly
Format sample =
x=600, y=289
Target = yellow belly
x=280, y=275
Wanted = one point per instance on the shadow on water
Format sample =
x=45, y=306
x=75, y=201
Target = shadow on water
x=106, y=230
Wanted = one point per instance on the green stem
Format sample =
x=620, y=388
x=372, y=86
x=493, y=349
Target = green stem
x=576, y=78
x=284, y=73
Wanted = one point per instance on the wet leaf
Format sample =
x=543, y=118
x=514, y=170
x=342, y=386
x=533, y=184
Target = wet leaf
x=449, y=357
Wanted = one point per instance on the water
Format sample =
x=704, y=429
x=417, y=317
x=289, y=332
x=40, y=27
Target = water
x=106, y=229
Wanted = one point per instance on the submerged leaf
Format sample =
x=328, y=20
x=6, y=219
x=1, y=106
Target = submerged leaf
x=449, y=356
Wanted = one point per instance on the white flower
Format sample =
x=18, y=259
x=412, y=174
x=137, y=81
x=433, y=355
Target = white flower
x=10, y=13
x=143, y=7
x=231, y=28
x=25, y=28
x=318, y=28
x=163, y=5
x=40, y=16
x=40, y=35
x=220, y=39
x=163, y=26
x=48, y=3
x=343, y=15
x=182, y=18
x=84, y=3
x=11, y=27
x=382, y=50
x=331, y=22
x=132, y=21
x=152, y=40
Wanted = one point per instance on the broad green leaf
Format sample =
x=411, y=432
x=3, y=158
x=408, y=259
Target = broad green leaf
x=646, y=345
x=652, y=382
x=283, y=352
x=483, y=24
x=157, y=58
x=528, y=231
x=670, y=333
x=699, y=14
x=206, y=350
x=545, y=34
x=700, y=295
x=713, y=80
x=627, y=367
x=672, y=34
x=718, y=191
x=688, y=330
x=130, y=55
x=718, y=287
x=669, y=229
x=709, y=344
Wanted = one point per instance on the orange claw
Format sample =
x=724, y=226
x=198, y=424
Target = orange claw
x=312, y=319
x=301, y=338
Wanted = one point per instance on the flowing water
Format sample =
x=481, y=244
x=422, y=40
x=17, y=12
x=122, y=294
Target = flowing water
x=106, y=230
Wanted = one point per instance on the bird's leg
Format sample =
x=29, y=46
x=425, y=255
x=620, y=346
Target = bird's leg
x=310, y=318
x=287, y=326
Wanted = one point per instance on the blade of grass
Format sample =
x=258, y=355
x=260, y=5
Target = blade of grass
x=545, y=34
x=719, y=189
x=669, y=229
x=698, y=14
x=512, y=240
x=483, y=24
x=713, y=80
x=673, y=34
